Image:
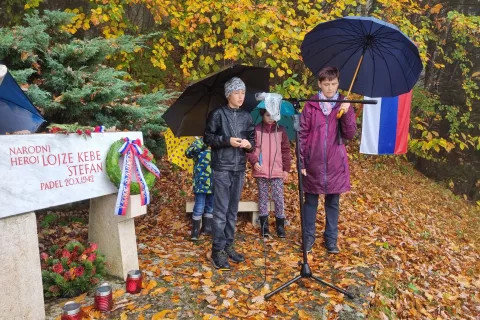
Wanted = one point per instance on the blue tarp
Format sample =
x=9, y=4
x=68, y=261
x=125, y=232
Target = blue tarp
x=16, y=111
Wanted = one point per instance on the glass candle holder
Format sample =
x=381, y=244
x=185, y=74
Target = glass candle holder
x=71, y=311
x=103, y=298
x=134, y=281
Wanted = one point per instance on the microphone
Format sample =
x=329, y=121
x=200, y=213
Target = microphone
x=296, y=122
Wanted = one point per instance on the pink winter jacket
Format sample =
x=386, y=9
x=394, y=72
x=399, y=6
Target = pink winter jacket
x=275, y=152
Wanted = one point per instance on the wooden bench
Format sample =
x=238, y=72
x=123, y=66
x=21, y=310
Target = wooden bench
x=243, y=206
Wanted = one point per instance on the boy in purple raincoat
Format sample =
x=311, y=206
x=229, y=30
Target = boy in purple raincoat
x=323, y=160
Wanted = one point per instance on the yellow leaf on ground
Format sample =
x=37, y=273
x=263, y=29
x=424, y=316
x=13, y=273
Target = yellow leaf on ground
x=243, y=290
x=118, y=293
x=146, y=307
x=281, y=308
x=158, y=291
x=151, y=284
x=260, y=262
x=161, y=314
x=303, y=315
x=207, y=282
x=80, y=298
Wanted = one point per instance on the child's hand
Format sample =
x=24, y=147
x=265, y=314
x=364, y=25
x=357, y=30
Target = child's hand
x=245, y=144
x=235, y=142
x=257, y=166
x=343, y=109
x=304, y=172
x=285, y=176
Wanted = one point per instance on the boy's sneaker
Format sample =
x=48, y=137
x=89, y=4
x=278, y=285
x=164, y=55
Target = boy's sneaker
x=219, y=260
x=234, y=255
x=332, y=248
x=309, y=245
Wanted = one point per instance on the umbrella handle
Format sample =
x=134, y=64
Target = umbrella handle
x=341, y=112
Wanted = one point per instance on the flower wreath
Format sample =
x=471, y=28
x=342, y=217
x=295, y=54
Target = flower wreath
x=115, y=173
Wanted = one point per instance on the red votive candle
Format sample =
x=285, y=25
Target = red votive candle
x=134, y=281
x=103, y=298
x=71, y=311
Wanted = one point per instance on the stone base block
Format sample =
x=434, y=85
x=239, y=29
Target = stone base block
x=21, y=294
x=115, y=235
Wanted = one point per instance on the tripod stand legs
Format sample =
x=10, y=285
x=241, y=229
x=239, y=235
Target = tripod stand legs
x=306, y=273
x=283, y=286
x=348, y=294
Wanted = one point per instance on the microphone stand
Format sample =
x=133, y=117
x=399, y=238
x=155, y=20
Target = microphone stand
x=305, y=271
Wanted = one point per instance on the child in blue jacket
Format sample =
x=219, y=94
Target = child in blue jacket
x=202, y=188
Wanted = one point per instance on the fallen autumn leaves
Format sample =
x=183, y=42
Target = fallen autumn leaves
x=409, y=250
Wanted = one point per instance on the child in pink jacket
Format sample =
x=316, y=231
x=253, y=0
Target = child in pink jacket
x=271, y=165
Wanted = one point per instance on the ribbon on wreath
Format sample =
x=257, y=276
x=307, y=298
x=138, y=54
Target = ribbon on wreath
x=132, y=157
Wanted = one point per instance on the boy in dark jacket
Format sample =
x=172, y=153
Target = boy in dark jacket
x=230, y=134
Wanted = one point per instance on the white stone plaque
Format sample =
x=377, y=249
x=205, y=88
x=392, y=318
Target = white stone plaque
x=44, y=170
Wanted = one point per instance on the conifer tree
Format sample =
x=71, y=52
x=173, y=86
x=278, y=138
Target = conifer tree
x=73, y=80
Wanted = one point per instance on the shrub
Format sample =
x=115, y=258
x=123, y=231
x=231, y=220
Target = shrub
x=71, y=270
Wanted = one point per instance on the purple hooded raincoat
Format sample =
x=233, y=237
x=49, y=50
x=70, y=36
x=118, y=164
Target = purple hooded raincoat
x=326, y=161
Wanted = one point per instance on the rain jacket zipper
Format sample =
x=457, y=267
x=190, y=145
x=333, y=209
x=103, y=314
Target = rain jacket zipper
x=325, y=154
x=270, y=169
x=236, y=129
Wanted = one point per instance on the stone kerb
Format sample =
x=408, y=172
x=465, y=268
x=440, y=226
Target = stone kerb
x=45, y=170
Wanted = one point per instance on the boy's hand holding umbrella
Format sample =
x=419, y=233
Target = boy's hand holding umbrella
x=343, y=109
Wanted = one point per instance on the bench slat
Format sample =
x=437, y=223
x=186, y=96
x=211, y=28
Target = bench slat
x=243, y=206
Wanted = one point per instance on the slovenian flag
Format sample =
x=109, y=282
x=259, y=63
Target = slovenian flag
x=385, y=125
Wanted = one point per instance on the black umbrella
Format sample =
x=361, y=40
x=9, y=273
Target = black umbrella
x=374, y=57
x=188, y=114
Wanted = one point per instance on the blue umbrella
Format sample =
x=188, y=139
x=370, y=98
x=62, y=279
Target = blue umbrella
x=17, y=112
x=286, y=120
x=374, y=57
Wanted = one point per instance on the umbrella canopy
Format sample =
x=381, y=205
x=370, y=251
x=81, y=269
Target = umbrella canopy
x=188, y=114
x=176, y=150
x=17, y=112
x=286, y=120
x=383, y=60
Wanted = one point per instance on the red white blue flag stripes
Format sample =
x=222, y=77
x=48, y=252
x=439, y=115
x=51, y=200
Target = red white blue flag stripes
x=385, y=125
x=133, y=156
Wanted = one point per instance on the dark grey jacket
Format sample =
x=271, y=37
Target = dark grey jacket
x=222, y=124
